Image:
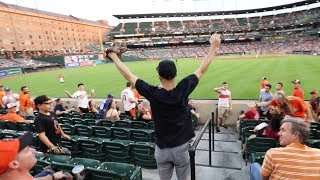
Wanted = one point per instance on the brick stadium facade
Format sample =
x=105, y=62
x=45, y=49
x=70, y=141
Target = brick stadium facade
x=24, y=29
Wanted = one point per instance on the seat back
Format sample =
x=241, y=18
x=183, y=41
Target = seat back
x=83, y=130
x=260, y=144
x=139, y=125
x=102, y=132
x=120, y=133
x=122, y=123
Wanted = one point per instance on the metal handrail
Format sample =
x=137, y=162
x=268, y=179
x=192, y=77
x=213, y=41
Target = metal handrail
x=192, y=149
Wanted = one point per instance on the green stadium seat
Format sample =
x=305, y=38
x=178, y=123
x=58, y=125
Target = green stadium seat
x=151, y=124
x=11, y=125
x=114, y=170
x=87, y=116
x=142, y=154
x=90, y=122
x=68, y=129
x=106, y=123
x=78, y=121
x=139, y=125
x=83, y=130
x=98, y=116
x=92, y=149
x=120, y=133
x=8, y=134
x=122, y=123
x=86, y=162
x=22, y=126
x=65, y=120
x=101, y=132
x=144, y=135
x=118, y=150
x=257, y=146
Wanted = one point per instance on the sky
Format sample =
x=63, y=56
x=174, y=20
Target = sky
x=104, y=9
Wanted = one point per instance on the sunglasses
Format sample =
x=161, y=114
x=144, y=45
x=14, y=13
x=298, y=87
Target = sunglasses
x=49, y=102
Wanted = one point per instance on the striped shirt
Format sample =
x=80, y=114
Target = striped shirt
x=224, y=98
x=295, y=161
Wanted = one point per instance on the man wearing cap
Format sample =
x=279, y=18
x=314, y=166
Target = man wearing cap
x=173, y=124
x=25, y=102
x=295, y=160
x=82, y=97
x=59, y=110
x=314, y=103
x=10, y=97
x=105, y=103
x=12, y=114
x=17, y=159
x=47, y=127
x=298, y=92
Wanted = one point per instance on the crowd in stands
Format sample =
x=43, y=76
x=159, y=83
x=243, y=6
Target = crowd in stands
x=24, y=63
x=234, y=24
x=269, y=46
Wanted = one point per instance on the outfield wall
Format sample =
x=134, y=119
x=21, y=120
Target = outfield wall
x=204, y=107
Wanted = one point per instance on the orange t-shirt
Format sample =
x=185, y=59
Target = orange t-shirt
x=2, y=93
x=136, y=94
x=12, y=116
x=263, y=83
x=298, y=105
x=298, y=93
x=25, y=101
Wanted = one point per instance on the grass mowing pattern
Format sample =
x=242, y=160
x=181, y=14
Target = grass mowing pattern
x=243, y=76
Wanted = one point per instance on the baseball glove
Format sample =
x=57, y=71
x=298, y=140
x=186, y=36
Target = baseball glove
x=59, y=150
x=118, y=47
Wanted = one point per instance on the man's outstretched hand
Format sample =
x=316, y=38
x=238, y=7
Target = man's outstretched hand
x=215, y=41
x=117, y=49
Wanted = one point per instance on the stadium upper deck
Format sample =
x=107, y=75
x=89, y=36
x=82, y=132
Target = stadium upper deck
x=206, y=22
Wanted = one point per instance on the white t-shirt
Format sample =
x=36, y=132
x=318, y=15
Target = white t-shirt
x=126, y=95
x=82, y=98
x=224, y=96
x=12, y=98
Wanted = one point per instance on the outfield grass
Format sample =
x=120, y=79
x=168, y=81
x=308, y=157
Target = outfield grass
x=243, y=76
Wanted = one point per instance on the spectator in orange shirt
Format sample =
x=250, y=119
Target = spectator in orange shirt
x=2, y=93
x=298, y=92
x=12, y=115
x=25, y=108
x=263, y=82
x=291, y=106
x=136, y=95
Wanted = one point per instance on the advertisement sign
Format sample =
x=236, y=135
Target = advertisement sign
x=10, y=72
x=83, y=60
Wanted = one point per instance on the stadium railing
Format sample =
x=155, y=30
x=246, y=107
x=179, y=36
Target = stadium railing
x=193, y=148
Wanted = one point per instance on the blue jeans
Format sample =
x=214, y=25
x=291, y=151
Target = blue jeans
x=255, y=171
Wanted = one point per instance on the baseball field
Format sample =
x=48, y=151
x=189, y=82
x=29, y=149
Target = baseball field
x=243, y=74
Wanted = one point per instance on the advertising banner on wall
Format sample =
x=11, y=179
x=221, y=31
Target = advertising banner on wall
x=83, y=60
x=10, y=72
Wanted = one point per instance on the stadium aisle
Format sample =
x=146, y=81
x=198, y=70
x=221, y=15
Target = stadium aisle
x=227, y=162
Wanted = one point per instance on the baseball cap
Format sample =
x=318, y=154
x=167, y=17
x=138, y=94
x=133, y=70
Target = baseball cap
x=167, y=69
x=9, y=148
x=10, y=105
x=110, y=96
x=296, y=81
x=314, y=92
x=7, y=89
x=42, y=99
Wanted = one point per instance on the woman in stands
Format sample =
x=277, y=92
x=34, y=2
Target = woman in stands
x=92, y=107
x=142, y=113
x=112, y=112
x=271, y=130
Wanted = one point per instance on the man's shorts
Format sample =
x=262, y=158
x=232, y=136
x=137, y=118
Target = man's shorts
x=223, y=112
